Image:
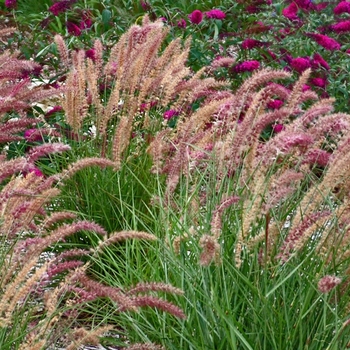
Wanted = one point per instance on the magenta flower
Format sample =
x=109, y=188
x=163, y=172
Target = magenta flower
x=278, y=128
x=325, y=41
x=291, y=12
x=215, y=13
x=342, y=7
x=327, y=283
x=60, y=7
x=145, y=5
x=196, y=17
x=33, y=135
x=10, y=4
x=341, y=27
x=91, y=53
x=147, y=105
x=86, y=21
x=73, y=29
x=170, y=114
x=248, y=44
x=85, y=24
x=275, y=104
x=318, y=61
x=319, y=82
x=317, y=157
x=247, y=66
x=300, y=64
x=37, y=172
x=181, y=23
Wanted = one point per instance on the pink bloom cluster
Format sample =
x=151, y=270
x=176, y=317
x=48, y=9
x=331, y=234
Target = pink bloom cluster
x=196, y=16
x=341, y=27
x=147, y=105
x=291, y=12
x=61, y=6
x=33, y=135
x=278, y=128
x=342, y=7
x=170, y=114
x=275, y=104
x=247, y=66
x=10, y=3
x=327, y=283
x=318, y=61
x=248, y=44
x=73, y=28
x=300, y=64
x=215, y=13
x=319, y=82
x=181, y=23
x=145, y=5
x=325, y=41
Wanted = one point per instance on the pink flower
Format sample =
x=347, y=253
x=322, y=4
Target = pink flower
x=47, y=148
x=36, y=171
x=91, y=53
x=59, y=7
x=275, y=104
x=317, y=157
x=278, y=128
x=86, y=21
x=300, y=64
x=73, y=29
x=220, y=61
x=247, y=66
x=147, y=105
x=248, y=44
x=327, y=283
x=319, y=82
x=319, y=61
x=145, y=5
x=215, y=13
x=196, y=17
x=33, y=135
x=291, y=12
x=342, y=7
x=10, y=4
x=325, y=41
x=170, y=114
x=181, y=23
x=341, y=27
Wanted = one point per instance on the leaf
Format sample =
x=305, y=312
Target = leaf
x=106, y=18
